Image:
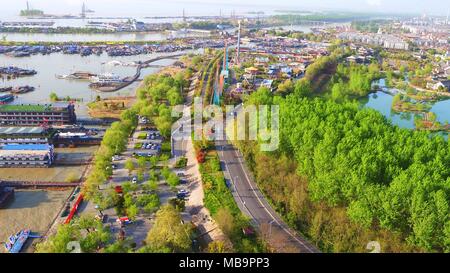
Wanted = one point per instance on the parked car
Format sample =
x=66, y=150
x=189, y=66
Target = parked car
x=134, y=180
x=124, y=221
x=183, y=181
x=181, y=196
x=118, y=189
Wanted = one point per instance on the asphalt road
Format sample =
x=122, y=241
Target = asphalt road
x=253, y=203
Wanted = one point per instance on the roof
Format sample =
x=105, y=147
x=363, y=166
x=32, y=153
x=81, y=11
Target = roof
x=33, y=107
x=24, y=108
x=26, y=153
x=252, y=69
x=25, y=147
x=21, y=130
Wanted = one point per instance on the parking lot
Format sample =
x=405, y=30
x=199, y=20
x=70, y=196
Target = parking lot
x=142, y=224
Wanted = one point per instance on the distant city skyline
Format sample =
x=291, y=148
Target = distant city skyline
x=203, y=7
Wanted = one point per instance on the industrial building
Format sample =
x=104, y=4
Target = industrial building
x=26, y=155
x=37, y=114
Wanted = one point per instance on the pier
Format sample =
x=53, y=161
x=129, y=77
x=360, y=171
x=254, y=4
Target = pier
x=112, y=87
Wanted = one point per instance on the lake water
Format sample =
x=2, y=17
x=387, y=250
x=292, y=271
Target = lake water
x=148, y=36
x=307, y=28
x=382, y=102
x=48, y=66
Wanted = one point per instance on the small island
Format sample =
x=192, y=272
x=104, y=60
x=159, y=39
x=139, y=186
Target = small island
x=31, y=12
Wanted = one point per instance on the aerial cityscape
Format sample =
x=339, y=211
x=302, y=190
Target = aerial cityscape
x=184, y=126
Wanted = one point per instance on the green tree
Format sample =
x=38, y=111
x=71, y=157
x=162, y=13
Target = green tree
x=169, y=232
x=129, y=165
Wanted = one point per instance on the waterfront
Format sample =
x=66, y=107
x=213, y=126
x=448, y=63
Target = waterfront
x=85, y=37
x=48, y=66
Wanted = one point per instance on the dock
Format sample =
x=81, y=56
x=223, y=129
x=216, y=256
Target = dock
x=112, y=87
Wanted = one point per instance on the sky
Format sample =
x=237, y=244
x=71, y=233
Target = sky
x=205, y=7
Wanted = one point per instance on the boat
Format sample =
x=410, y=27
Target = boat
x=6, y=98
x=106, y=78
x=61, y=77
x=21, y=54
x=5, y=89
x=79, y=75
x=16, y=242
x=22, y=89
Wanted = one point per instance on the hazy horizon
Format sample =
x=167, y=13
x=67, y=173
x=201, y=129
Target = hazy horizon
x=209, y=7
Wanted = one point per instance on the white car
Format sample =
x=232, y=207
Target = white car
x=134, y=180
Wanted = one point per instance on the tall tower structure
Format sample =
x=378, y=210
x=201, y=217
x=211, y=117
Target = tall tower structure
x=238, y=51
x=225, y=57
x=83, y=10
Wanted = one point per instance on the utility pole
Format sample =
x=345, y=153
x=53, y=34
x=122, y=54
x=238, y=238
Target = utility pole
x=238, y=51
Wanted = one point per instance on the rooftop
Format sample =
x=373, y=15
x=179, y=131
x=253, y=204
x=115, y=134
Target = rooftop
x=24, y=108
x=21, y=130
x=25, y=147
x=31, y=107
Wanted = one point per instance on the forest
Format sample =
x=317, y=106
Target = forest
x=353, y=80
x=344, y=176
x=368, y=26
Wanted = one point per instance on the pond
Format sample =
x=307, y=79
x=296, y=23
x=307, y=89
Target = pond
x=382, y=102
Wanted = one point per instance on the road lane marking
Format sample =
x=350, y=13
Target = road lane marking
x=259, y=199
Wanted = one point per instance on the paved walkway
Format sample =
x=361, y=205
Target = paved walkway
x=201, y=216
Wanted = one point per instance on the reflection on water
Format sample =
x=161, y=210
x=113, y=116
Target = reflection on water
x=383, y=103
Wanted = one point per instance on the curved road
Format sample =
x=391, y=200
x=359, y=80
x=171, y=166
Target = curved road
x=253, y=203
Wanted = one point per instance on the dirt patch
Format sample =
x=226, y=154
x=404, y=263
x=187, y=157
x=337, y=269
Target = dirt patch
x=110, y=107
